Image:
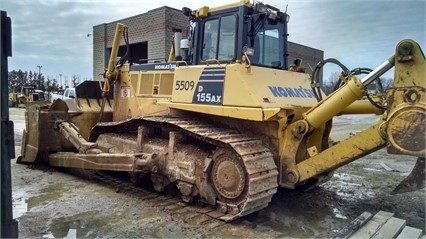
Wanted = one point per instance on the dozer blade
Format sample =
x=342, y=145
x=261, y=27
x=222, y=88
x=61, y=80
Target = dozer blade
x=414, y=181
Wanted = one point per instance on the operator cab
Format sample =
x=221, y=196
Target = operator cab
x=224, y=34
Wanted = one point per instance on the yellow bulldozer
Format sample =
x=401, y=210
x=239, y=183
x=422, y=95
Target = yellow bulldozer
x=227, y=120
x=26, y=95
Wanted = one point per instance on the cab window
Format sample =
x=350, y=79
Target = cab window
x=219, y=39
x=266, y=45
x=71, y=93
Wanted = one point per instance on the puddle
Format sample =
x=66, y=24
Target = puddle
x=294, y=214
x=346, y=176
x=349, y=187
x=21, y=203
x=50, y=236
x=71, y=234
x=338, y=214
x=76, y=226
x=89, y=224
x=19, y=207
x=292, y=225
x=373, y=169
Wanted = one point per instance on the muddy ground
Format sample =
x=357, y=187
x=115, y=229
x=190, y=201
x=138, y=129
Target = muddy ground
x=52, y=204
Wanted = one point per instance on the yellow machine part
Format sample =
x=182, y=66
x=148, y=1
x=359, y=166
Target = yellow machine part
x=402, y=129
x=407, y=102
x=233, y=91
x=229, y=90
x=137, y=93
x=42, y=135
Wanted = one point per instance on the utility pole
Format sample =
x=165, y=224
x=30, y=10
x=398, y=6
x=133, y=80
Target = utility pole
x=60, y=80
x=39, y=76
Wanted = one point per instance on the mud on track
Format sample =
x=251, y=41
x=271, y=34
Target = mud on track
x=49, y=203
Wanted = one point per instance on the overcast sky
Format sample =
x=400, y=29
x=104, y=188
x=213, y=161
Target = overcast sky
x=360, y=33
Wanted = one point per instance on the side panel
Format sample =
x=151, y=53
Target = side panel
x=209, y=88
x=199, y=85
x=235, y=85
x=264, y=87
x=137, y=93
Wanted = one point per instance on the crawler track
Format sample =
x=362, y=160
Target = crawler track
x=259, y=168
x=189, y=213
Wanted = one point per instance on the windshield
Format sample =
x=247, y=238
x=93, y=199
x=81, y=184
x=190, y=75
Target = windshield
x=28, y=91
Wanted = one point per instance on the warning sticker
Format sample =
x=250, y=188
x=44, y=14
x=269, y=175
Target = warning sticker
x=125, y=92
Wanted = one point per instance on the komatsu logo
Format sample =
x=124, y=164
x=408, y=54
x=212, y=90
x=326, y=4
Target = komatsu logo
x=299, y=92
x=164, y=67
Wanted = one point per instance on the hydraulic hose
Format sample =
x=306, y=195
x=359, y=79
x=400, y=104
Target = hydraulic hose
x=357, y=71
x=316, y=75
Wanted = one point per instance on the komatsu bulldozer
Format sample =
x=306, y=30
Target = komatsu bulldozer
x=27, y=95
x=226, y=120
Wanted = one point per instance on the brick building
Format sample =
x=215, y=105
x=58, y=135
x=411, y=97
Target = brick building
x=309, y=56
x=151, y=34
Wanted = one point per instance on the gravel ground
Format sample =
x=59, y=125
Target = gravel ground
x=52, y=204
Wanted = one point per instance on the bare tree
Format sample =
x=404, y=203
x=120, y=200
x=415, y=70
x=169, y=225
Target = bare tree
x=17, y=78
x=329, y=84
x=75, y=80
x=386, y=82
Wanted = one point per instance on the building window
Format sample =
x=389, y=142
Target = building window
x=219, y=39
x=138, y=53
